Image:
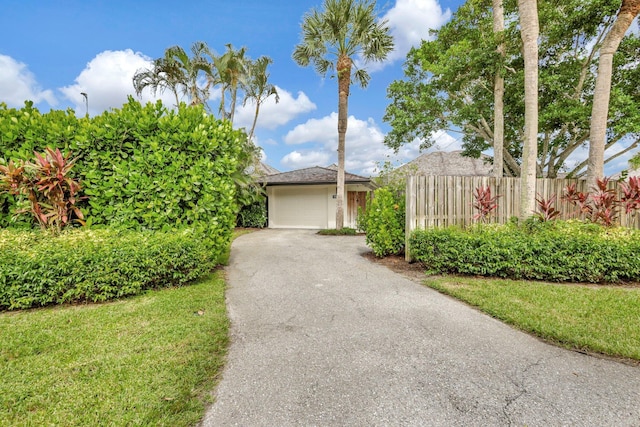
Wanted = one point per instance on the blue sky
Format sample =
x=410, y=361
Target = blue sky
x=51, y=51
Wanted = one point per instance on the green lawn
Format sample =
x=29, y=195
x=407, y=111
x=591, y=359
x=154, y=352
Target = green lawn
x=602, y=319
x=148, y=360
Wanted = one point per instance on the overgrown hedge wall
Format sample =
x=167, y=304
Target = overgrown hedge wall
x=142, y=167
x=558, y=251
x=38, y=269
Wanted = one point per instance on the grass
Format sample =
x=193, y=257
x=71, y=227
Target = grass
x=148, y=360
x=600, y=319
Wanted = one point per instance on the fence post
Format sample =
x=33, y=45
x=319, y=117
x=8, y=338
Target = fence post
x=409, y=215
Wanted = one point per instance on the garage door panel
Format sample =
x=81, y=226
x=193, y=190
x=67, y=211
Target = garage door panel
x=299, y=207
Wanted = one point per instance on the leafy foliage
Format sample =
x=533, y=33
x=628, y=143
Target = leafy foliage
x=97, y=265
x=448, y=84
x=383, y=221
x=554, y=251
x=253, y=215
x=602, y=205
x=50, y=190
x=631, y=194
x=484, y=203
x=142, y=167
x=546, y=209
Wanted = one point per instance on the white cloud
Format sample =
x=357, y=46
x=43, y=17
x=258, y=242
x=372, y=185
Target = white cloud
x=272, y=114
x=18, y=84
x=410, y=22
x=107, y=81
x=364, y=146
x=304, y=159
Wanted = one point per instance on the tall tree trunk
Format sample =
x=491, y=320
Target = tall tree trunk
x=529, y=31
x=600, y=110
x=223, y=113
x=344, y=80
x=498, y=93
x=234, y=96
x=255, y=119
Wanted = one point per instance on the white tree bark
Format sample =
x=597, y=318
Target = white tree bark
x=600, y=109
x=498, y=94
x=529, y=31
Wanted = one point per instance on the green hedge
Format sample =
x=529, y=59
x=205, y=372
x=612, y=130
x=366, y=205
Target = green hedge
x=37, y=269
x=561, y=251
x=142, y=167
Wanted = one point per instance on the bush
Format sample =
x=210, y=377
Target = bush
x=554, y=251
x=142, y=167
x=344, y=231
x=383, y=222
x=253, y=216
x=37, y=269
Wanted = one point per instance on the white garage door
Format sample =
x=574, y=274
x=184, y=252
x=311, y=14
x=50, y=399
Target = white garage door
x=298, y=207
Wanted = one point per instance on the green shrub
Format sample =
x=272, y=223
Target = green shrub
x=143, y=167
x=383, y=222
x=553, y=251
x=38, y=269
x=344, y=231
x=253, y=216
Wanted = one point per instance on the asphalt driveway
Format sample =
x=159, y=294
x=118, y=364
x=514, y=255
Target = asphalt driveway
x=323, y=337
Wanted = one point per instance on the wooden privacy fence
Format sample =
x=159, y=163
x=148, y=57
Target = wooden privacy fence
x=440, y=201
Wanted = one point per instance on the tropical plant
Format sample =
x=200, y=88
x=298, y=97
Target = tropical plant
x=484, y=203
x=600, y=206
x=50, y=189
x=631, y=194
x=178, y=72
x=231, y=74
x=546, y=209
x=332, y=38
x=257, y=87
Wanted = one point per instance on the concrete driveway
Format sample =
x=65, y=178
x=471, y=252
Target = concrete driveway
x=323, y=337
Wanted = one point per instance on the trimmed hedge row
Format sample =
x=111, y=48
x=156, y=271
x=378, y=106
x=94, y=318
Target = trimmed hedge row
x=559, y=251
x=37, y=269
x=140, y=166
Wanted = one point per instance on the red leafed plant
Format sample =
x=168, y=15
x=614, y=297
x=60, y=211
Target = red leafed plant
x=600, y=206
x=546, y=208
x=485, y=203
x=47, y=183
x=631, y=194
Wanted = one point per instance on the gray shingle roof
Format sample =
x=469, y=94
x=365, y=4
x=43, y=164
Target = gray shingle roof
x=313, y=175
x=448, y=163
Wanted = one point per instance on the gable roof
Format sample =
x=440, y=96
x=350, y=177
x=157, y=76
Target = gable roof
x=451, y=163
x=312, y=175
x=265, y=169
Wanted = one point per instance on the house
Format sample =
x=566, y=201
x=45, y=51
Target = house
x=451, y=163
x=306, y=198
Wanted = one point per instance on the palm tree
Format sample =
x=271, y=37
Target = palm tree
x=231, y=71
x=178, y=72
x=257, y=86
x=191, y=67
x=331, y=40
x=164, y=74
x=629, y=9
x=529, y=31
